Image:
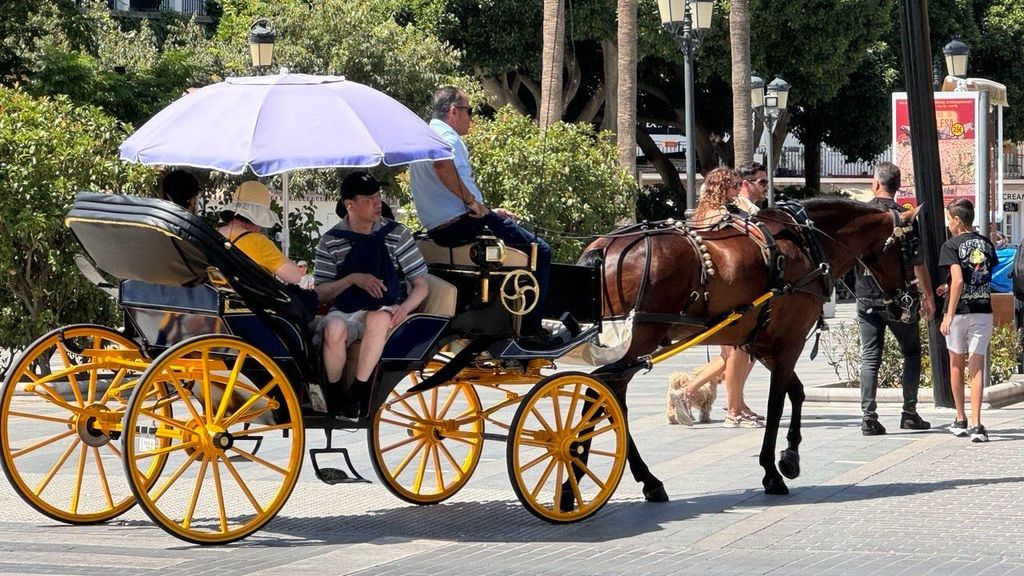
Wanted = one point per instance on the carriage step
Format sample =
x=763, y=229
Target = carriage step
x=334, y=475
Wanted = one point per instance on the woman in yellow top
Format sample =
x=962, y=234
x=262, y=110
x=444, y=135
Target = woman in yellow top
x=244, y=221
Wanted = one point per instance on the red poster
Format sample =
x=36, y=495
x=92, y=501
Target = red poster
x=955, y=121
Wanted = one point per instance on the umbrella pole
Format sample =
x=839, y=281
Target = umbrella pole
x=285, y=234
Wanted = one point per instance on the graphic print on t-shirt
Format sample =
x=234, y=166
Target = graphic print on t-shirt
x=974, y=260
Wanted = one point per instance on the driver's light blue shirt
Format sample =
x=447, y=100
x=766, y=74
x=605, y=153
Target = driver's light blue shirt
x=435, y=204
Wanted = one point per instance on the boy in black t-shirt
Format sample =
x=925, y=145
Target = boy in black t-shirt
x=967, y=259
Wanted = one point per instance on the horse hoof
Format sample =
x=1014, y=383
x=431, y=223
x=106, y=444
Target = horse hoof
x=789, y=463
x=775, y=487
x=656, y=493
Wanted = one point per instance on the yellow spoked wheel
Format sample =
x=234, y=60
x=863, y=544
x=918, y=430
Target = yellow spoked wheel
x=214, y=489
x=60, y=415
x=567, y=447
x=426, y=446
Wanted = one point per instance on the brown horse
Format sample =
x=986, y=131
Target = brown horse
x=661, y=274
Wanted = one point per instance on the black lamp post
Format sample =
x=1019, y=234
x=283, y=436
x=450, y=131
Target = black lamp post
x=772, y=99
x=687, y=20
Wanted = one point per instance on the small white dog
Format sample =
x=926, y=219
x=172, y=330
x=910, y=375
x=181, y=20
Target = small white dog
x=680, y=408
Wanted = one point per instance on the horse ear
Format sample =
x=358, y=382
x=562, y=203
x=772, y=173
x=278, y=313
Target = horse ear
x=909, y=215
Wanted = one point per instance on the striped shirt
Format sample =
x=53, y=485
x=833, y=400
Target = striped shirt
x=405, y=255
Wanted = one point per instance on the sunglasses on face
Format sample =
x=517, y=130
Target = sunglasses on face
x=759, y=181
x=468, y=109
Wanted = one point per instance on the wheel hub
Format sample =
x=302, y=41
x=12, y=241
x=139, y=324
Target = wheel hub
x=85, y=424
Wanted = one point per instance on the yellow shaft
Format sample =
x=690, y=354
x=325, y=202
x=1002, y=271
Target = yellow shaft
x=677, y=348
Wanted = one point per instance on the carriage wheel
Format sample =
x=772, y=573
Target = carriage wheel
x=424, y=448
x=213, y=490
x=567, y=447
x=60, y=414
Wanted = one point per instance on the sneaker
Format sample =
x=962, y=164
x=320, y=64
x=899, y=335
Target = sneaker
x=959, y=428
x=741, y=421
x=913, y=421
x=871, y=427
x=979, y=434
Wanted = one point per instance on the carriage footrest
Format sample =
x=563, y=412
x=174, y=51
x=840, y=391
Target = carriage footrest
x=334, y=475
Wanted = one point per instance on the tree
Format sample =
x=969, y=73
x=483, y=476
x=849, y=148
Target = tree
x=627, y=92
x=739, y=45
x=552, y=61
x=49, y=150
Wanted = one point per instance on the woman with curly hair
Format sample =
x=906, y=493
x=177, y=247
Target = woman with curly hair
x=720, y=187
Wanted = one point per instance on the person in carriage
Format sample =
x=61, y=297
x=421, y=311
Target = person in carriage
x=182, y=188
x=451, y=206
x=244, y=220
x=362, y=265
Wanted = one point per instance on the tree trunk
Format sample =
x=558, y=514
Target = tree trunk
x=552, y=63
x=739, y=43
x=589, y=111
x=667, y=170
x=626, y=124
x=610, y=57
x=812, y=163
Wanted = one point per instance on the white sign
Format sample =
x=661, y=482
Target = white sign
x=1013, y=196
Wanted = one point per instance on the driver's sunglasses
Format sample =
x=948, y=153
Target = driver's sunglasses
x=760, y=181
x=468, y=109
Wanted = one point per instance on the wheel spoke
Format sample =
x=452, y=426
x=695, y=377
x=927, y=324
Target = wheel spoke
x=433, y=402
x=93, y=374
x=558, y=487
x=41, y=443
x=455, y=465
x=249, y=403
x=593, y=452
x=39, y=417
x=183, y=394
x=400, y=443
x=186, y=522
x=72, y=381
x=204, y=357
x=220, y=495
x=408, y=458
x=535, y=461
x=241, y=484
x=535, y=443
x=48, y=394
x=113, y=449
x=174, y=477
x=592, y=423
x=543, y=479
x=418, y=483
x=556, y=412
x=170, y=422
x=115, y=383
x=439, y=480
x=165, y=450
x=579, y=464
x=448, y=401
x=413, y=414
x=78, y=479
x=585, y=420
x=423, y=405
x=258, y=460
x=543, y=422
x=261, y=430
x=590, y=435
x=103, y=476
x=402, y=424
x=229, y=387
x=57, y=466
x=572, y=406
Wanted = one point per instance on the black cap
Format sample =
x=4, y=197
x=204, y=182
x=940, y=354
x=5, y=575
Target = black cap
x=359, y=184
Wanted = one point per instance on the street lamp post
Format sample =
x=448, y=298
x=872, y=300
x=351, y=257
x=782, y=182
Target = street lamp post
x=771, y=99
x=687, y=20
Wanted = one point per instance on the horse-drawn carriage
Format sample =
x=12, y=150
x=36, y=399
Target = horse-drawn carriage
x=203, y=395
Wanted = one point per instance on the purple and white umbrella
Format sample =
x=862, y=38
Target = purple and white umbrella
x=276, y=124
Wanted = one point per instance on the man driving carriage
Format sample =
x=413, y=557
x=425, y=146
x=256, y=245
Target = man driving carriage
x=362, y=265
x=450, y=205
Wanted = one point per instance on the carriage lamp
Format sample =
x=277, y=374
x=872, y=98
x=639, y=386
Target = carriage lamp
x=261, y=42
x=771, y=100
x=956, y=53
x=686, y=21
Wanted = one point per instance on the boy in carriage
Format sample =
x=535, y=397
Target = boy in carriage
x=362, y=266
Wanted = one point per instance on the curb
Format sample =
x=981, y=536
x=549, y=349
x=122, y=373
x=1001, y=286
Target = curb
x=997, y=396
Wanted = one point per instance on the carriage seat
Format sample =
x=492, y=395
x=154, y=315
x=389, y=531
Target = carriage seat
x=491, y=249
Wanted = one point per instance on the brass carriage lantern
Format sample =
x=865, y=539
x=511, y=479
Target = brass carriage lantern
x=956, y=58
x=261, y=42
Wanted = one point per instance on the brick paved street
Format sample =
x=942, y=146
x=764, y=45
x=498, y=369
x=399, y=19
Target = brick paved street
x=921, y=503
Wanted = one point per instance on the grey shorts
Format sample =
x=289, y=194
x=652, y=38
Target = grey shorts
x=355, y=322
x=969, y=333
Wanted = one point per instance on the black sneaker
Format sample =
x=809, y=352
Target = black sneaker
x=979, y=434
x=913, y=421
x=871, y=427
x=959, y=428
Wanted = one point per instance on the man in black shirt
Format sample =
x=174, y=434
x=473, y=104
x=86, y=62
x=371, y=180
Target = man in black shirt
x=874, y=319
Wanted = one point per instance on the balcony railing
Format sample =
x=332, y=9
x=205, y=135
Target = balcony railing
x=187, y=7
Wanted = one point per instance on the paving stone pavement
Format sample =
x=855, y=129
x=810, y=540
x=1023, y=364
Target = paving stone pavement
x=904, y=503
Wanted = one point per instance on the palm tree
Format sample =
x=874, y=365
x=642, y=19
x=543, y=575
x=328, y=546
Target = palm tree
x=739, y=43
x=552, y=56
x=626, y=94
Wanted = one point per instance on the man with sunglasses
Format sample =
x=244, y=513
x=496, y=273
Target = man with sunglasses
x=451, y=206
x=874, y=318
x=754, y=187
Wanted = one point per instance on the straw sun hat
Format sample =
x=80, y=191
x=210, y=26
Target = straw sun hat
x=252, y=202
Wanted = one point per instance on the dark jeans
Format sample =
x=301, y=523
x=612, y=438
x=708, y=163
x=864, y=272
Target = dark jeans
x=465, y=228
x=872, y=339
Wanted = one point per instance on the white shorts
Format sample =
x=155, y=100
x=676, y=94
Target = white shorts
x=969, y=332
